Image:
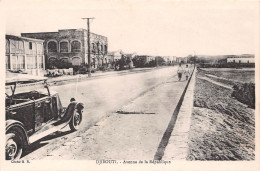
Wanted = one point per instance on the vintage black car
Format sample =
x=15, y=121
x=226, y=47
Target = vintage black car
x=31, y=115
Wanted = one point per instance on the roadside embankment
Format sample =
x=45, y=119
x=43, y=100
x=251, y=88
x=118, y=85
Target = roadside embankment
x=222, y=128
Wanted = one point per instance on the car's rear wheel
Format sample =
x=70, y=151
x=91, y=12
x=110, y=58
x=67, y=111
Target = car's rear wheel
x=14, y=146
x=76, y=120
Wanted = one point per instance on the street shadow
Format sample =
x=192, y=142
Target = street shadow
x=134, y=113
x=179, y=81
x=43, y=141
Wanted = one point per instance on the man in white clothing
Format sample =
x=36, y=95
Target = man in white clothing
x=180, y=71
x=187, y=72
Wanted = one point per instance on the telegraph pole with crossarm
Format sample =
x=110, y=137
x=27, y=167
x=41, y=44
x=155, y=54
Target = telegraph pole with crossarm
x=89, y=61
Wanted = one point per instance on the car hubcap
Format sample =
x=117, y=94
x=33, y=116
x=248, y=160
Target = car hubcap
x=11, y=148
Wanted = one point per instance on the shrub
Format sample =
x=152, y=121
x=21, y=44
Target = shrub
x=245, y=93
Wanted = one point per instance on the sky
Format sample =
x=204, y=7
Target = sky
x=152, y=27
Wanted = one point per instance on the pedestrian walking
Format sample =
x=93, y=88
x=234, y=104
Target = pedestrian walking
x=180, y=71
x=187, y=72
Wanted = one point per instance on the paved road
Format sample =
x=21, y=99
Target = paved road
x=102, y=98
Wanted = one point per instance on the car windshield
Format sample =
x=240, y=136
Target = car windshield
x=26, y=88
x=20, y=83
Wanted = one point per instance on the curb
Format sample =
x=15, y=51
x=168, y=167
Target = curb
x=167, y=134
x=177, y=149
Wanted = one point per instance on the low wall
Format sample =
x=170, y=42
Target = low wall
x=59, y=72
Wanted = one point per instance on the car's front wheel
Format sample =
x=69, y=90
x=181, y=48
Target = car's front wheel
x=14, y=146
x=76, y=120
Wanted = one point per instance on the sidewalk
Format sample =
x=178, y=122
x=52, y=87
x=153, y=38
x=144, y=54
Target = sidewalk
x=177, y=148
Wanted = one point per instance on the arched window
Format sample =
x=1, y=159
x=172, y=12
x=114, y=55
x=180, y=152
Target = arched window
x=98, y=48
x=52, y=46
x=75, y=46
x=102, y=49
x=64, y=47
x=105, y=49
x=93, y=48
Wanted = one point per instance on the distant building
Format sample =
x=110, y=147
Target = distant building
x=181, y=59
x=69, y=47
x=241, y=59
x=115, y=55
x=145, y=58
x=129, y=55
x=169, y=59
x=24, y=54
x=129, y=58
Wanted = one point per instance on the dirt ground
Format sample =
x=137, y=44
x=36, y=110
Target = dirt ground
x=232, y=75
x=221, y=128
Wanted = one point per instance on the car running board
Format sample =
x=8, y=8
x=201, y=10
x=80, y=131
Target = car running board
x=46, y=130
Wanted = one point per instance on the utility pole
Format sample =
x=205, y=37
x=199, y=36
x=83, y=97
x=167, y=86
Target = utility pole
x=89, y=61
x=194, y=59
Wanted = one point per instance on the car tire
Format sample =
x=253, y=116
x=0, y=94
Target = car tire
x=75, y=120
x=14, y=146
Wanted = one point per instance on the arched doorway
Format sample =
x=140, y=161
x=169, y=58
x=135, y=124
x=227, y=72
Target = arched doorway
x=64, y=63
x=76, y=61
x=52, y=62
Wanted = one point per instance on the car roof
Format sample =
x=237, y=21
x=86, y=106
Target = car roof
x=13, y=78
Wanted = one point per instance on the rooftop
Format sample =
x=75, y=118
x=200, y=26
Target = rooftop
x=241, y=56
x=22, y=38
x=62, y=30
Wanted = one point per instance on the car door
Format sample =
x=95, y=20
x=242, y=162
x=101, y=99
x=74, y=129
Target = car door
x=43, y=112
x=23, y=112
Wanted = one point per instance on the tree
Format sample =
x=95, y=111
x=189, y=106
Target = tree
x=139, y=62
x=159, y=60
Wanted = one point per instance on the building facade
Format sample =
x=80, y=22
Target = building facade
x=69, y=47
x=24, y=54
x=242, y=59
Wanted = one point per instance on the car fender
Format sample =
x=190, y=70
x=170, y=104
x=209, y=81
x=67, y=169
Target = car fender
x=14, y=124
x=70, y=109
